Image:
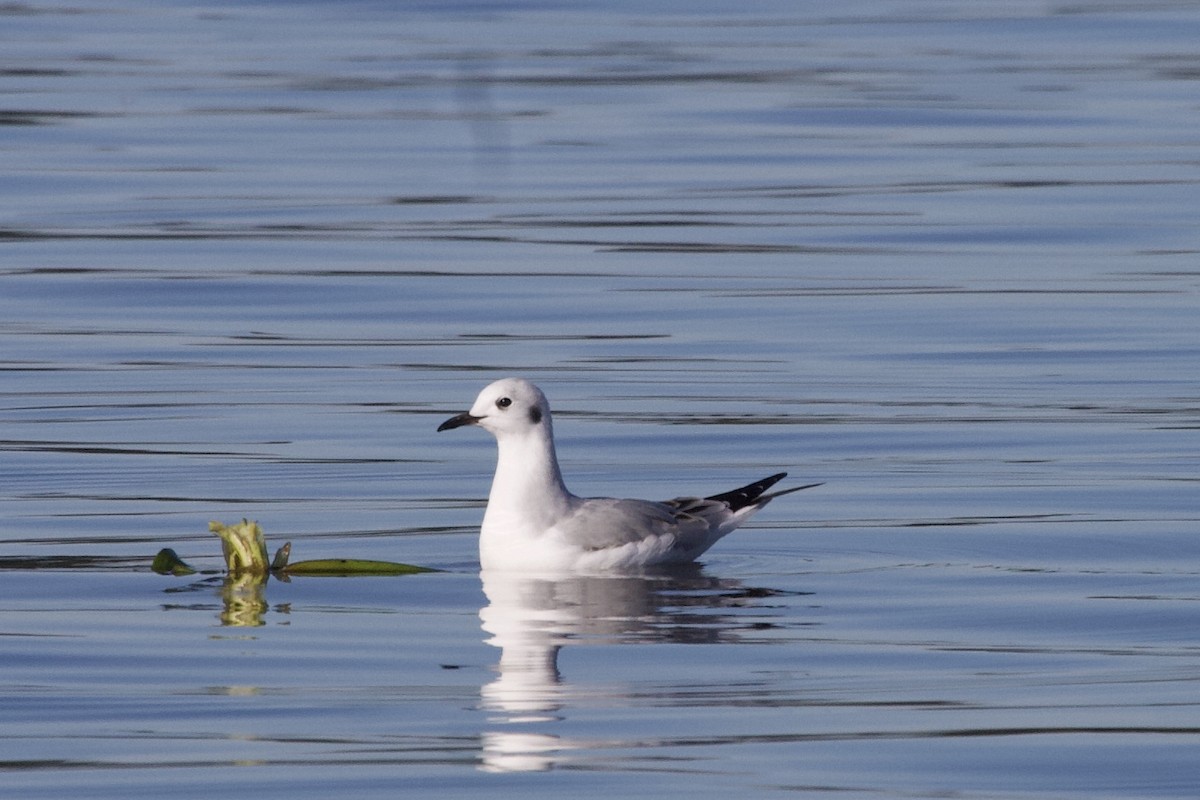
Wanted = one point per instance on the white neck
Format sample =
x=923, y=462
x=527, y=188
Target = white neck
x=528, y=489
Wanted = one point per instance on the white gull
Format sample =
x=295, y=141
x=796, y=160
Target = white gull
x=533, y=522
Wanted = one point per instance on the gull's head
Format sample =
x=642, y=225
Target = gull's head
x=511, y=406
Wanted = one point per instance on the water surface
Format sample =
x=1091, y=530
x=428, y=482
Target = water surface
x=942, y=259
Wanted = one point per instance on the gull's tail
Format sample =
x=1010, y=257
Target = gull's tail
x=752, y=494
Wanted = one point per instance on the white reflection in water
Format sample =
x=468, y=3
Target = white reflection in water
x=531, y=617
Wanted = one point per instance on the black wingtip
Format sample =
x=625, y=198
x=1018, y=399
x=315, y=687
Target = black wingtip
x=749, y=494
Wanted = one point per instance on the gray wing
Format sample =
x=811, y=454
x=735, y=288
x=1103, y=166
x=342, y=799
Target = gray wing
x=602, y=522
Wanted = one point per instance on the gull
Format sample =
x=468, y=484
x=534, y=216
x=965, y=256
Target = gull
x=533, y=522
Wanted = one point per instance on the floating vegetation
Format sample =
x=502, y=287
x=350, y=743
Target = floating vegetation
x=168, y=562
x=245, y=550
x=351, y=566
x=247, y=570
x=244, y=547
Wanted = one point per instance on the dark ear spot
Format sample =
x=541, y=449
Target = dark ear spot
x=535, y=415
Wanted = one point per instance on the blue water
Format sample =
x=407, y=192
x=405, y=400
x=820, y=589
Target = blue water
x=941, y=258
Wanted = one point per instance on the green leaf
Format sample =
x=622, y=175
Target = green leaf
x=347, y=567
x=245, y=552
x=168, y=562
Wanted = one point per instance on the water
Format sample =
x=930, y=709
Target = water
x=941, y=258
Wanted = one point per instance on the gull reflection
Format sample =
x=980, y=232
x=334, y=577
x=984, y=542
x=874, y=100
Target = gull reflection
x=531, y=618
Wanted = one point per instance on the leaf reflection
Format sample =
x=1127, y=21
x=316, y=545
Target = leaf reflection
x=244, y=599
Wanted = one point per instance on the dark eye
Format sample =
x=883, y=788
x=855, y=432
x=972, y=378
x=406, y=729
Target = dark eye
x=504, y=402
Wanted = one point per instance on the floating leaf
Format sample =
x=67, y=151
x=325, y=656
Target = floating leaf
x=245, y=552
x=168, y=562
x=351, y=566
